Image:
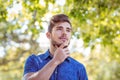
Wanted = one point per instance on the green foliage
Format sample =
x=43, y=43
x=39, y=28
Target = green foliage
x=96, y=22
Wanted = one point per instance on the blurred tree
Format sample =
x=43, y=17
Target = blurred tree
x=100, y=29
x=96, y=22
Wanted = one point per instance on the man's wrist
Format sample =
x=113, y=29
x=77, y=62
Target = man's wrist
x=55, y=62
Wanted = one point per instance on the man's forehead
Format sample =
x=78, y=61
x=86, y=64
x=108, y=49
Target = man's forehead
x=63, y=24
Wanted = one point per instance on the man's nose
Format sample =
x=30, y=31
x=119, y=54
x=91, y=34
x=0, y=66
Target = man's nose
x=64, y=31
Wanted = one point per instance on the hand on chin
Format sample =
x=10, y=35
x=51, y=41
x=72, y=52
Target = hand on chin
x=65, y=43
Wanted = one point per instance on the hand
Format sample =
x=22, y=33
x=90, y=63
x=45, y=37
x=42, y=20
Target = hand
x=61, y=53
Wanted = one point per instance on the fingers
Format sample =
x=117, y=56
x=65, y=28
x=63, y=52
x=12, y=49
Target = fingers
x=67, y=55
x=67, y=52
x=56, y=46
x=62, y=50
x=63, y=45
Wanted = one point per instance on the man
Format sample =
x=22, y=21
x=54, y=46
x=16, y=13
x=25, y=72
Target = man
x=55, y=64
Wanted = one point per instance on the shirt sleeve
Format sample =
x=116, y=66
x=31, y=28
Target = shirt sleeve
x=31, y=64
x=83, y=74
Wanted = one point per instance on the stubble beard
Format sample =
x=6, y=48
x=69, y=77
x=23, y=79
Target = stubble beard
x=55, y=43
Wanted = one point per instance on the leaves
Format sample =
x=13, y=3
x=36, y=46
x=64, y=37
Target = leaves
x=96, y=22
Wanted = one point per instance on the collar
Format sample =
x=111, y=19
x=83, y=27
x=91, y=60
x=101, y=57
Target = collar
x=47, y=55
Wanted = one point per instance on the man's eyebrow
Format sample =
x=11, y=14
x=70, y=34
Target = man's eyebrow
x=59, y=27
x=68, y=28
x=62, y=27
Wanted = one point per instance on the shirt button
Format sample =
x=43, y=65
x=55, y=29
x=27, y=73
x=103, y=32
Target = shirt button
x=55, y=72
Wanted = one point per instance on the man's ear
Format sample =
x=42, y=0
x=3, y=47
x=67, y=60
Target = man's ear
x=48, y=34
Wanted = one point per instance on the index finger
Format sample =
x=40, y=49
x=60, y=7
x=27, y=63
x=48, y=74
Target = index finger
x=63, y=44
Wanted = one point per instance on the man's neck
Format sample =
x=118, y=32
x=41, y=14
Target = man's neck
x=52, y=50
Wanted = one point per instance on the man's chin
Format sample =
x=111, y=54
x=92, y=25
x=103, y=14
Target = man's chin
x=58, y=45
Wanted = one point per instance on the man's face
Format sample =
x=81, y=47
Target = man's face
x=61, y=33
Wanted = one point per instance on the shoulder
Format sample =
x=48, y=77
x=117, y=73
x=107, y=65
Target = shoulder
x=82, y=74
x=34, y=56
x=31, y=60
x=31, y=57
x=76, y=63
x=31, y=64
x=80, y=68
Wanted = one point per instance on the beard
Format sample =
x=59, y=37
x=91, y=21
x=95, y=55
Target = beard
x=55, y=43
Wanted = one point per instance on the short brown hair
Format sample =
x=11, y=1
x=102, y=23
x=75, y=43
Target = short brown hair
x=56, y=19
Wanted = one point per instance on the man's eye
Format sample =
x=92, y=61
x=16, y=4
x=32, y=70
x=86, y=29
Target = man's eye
x=68, y=30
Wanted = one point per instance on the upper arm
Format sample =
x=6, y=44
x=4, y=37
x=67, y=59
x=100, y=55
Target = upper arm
x=83, y=74
x=31, y=65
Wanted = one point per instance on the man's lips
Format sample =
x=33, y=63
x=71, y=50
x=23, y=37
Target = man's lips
x=63, y=39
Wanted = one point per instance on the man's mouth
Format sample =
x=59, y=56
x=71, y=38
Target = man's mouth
x=63, y=39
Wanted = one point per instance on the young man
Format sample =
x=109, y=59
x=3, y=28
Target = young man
x=55, y=64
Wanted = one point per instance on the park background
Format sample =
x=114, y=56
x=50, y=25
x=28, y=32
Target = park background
x=95, y=41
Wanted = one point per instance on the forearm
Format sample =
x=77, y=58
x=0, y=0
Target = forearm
x=45, y=72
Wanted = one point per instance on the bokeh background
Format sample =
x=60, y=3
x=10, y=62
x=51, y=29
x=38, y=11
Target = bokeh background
x=95, y=41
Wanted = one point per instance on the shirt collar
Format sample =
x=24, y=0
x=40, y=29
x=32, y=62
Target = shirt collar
x=48, y=55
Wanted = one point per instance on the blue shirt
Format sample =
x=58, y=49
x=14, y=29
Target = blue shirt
x=70, y=69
